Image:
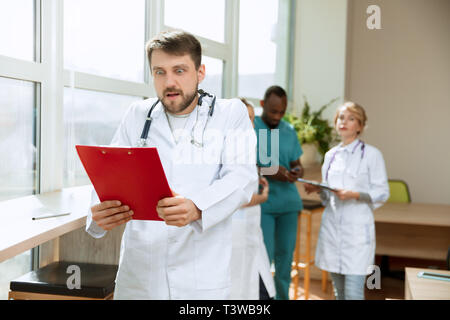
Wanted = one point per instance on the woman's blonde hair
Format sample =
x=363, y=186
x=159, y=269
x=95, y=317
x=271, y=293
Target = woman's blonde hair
x=356, y=110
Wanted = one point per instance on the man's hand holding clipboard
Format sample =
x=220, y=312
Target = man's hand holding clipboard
x=177, y=210
x=131, y=184
x=111, y=214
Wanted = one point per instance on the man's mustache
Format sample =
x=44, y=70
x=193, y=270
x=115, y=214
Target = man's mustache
x=172, y=90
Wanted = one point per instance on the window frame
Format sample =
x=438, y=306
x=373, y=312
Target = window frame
x=35, y=72
x=226, y=51
x=285, y=51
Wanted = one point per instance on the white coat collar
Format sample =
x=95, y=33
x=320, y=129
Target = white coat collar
x=348, y=147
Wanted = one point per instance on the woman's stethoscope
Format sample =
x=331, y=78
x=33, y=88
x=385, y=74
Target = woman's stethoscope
x=142, y=142
x=353, y=151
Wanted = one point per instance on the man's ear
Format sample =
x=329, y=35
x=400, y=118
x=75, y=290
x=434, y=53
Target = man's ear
x=201, y=73
x=261, y=103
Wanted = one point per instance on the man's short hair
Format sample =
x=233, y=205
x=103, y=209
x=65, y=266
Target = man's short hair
x=176, y=42
x=277, y=90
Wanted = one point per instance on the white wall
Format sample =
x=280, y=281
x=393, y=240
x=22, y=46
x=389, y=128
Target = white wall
x=319, y=68
x=401, y=76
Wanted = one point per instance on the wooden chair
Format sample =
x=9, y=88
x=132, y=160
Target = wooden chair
x=305, y=262
x=50, y=283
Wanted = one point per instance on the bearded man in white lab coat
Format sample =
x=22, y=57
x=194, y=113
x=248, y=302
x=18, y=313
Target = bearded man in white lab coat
x=209, y=163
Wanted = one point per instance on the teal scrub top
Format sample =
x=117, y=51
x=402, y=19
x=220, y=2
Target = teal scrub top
x=283, y=196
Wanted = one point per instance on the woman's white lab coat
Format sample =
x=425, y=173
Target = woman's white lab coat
x=191, y=262
x=346, y=242
x=249, y=257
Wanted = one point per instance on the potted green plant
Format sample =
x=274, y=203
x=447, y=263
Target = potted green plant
x=314, y=132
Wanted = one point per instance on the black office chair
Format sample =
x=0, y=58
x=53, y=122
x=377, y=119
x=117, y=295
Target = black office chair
x=50, y=283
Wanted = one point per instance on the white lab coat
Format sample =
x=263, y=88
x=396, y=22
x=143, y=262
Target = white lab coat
x=346, y=242
x=191, y=262
x=249, y=256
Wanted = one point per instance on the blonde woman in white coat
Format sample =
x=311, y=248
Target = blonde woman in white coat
x=346, y=243
x=249, y=259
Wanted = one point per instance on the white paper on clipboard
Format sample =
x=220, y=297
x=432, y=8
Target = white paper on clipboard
x=321, y=185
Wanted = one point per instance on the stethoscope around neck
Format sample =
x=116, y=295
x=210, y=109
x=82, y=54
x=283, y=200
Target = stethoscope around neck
x=142, y=142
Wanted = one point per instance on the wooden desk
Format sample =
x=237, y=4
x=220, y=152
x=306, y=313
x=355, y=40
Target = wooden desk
x=416, y=230
x=19, y=233
x=423, y=214
x=425, y=289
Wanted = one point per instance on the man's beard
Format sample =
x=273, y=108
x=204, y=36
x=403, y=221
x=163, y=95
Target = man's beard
x=270, y=123
x=186, y=101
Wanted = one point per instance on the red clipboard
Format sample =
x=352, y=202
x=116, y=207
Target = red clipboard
x=134, y=176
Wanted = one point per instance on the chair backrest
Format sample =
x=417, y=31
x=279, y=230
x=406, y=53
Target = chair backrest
x=399, y=191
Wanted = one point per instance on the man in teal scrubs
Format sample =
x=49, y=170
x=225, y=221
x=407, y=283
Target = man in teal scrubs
x=279, y=212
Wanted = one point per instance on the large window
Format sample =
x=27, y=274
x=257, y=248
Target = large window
x=204, y=18
x=17, y=29
x=69, y=69
x=101, y=38
x=100, y=57
x=214, y=76
x=105, y=37
x=19, y=111
x=211, y=28
x=90, y=118
x=263, y=46
x=18, y=158
x=17, y=138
